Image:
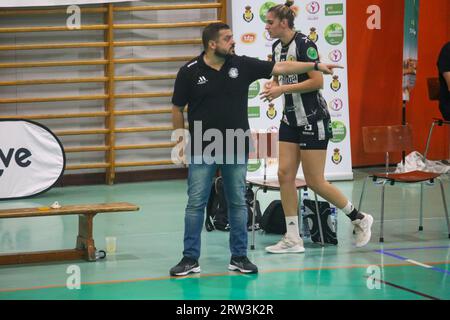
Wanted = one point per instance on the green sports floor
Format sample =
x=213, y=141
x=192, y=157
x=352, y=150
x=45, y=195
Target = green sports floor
x=410, y=265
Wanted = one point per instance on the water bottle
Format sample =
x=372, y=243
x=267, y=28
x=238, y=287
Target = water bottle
x=306, y=232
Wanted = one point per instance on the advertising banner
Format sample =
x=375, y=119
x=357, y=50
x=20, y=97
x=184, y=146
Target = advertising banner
x=32, y=159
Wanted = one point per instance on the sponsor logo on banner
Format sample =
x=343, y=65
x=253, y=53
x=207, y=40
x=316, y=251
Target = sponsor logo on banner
x=248, y=38
x=335, y=83
x=336, y=158
x=324, y=24
x=339, y=131
x=32, y=163
x=334, y=34
x=253, y=165
x=264, y=8
x=253, y=90
x=248, y=14
x=254, y=112
x=271, y=112
x=313, y=36
x=334, y=9
x=313, y=8
x=335, y=55
x=336, y=104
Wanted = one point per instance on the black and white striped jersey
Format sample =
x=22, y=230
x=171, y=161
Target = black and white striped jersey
x=299, y=108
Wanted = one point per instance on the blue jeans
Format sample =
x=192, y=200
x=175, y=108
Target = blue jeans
x=199, y=187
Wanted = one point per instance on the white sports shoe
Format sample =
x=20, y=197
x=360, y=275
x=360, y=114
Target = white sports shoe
x=363, y=229
x=287, y=245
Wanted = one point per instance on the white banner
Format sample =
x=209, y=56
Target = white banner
x=324, y=22
x=32, y=159
x=41, y=3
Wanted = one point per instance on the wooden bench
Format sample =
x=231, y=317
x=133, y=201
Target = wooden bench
x=85, y=247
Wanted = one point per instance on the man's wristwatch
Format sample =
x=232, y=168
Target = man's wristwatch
x=316, y=65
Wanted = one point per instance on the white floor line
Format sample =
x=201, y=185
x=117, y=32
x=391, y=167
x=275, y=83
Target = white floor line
x=412, y=219
x=418, y=263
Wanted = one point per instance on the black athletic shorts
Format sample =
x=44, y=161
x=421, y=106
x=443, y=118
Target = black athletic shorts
x=310, y=137
x=445, y=110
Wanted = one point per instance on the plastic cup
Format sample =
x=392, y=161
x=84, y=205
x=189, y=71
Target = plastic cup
x=110, y=244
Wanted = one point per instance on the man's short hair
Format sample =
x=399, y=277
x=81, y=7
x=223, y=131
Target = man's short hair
x=211, y=32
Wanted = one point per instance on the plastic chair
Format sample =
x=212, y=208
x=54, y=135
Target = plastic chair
x=433, y=95
x=266, y=147
x=396, y=139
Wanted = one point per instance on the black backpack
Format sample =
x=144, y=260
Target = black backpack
x=329, y=226
x=273, y=220
x=217, y=212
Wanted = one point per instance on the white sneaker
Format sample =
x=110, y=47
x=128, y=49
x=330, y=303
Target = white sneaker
x=287, y=245
x=363, y=229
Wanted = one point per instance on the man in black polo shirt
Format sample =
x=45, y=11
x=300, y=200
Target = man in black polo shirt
x=444, y=79
x=215, y=87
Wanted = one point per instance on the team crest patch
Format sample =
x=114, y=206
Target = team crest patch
x=233, y=73
x=312, y=53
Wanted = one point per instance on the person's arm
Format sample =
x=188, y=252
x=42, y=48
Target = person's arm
x=177, y=117
x=178, y=136
x=314, y=83
x=296, y=67
x=446, y=76
x=180, y=99
x=272, y=83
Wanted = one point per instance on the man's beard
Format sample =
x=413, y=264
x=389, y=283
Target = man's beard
x=225, y=55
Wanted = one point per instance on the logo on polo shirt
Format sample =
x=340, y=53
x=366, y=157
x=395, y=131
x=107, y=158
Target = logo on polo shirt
x=202, y=80
x=233, y=73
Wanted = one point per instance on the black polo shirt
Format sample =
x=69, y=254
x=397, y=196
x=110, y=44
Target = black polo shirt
x=218, y=99
x=444, y=94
